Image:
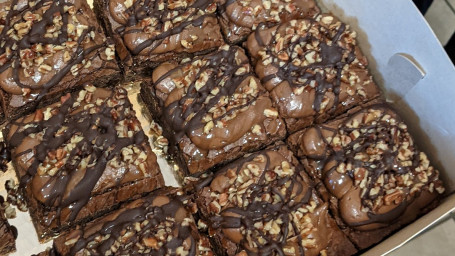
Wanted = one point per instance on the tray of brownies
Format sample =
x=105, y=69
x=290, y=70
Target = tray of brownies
x=197, y=127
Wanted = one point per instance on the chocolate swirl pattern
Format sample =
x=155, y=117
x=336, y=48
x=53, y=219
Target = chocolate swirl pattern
x=264, y=204
x=158, y=224
x=312, y=68
x=239, y=18
x=87, y=146
x=370, y=164
x=213, y=104
x=48, y=46
x=155, y=31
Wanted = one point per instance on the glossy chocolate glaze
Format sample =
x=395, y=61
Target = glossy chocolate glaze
x=311, y=67
x=88, y=143
x=369, y=162
x=264, y=204
x=216, y=103
x=156, y=27
x=158, y=224
x=47, y=43
x=244, y=16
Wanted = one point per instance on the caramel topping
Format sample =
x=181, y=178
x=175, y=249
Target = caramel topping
x=87, y=143
x=45, y=41
x=208, y=97
x=154, y=225
x=370, y=163
x=149, y=26
x=251, y=13
x=311, y=66
x=265, y=204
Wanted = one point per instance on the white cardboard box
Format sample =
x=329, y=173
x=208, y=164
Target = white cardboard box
x=417, y=76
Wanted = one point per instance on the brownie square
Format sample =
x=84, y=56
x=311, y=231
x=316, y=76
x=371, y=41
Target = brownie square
x=50, y=48
x=238, y=18
x=159, y=224
x=312, y=68
x=265, y=204
x=7, y=236
x=148, y=32
x=48, y=252
x=376, y=177
x=212, y=109
x=80, y=157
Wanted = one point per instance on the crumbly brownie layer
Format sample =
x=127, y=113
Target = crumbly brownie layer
x=149, y=32
x=213, y=109
x=5, y=157
x=7, y=236
x=377, y=179
x=238, y=18
x=264, y=204
x=312, y=68
x=81, y=157
x=159, y=224
x=49, y=48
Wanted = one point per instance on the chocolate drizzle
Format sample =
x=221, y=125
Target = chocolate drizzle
x=374, y=149
x=290, y=192
x=332, y=57
x=147, y=228
x=185, y=115
x=89, y=132
x=161, y=11
x=17, y=51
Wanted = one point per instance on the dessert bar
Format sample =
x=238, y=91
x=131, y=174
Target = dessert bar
x=47, y=49
x=238, y=18
x=376, y=177
x=264, y=204
x=159, y=224
x=80, y=157
x=312, y=68
x=212, y=109
x=8, y=234
x=148, y=32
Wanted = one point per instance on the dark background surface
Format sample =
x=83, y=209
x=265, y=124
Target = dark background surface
x=423, y=6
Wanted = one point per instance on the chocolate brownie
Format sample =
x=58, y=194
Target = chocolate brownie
x=148, y=32
x=47, y=252
x=159, y=224
x=238, y=18
x=212, y=109
x=5, y=156
x=312, y=68
x=264, y=204
x=376, y=177
x=80, y=157
x=49, y=48
x=7, y=234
